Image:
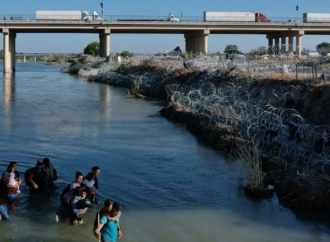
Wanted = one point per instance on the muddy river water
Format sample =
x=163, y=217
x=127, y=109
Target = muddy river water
x=172, y=187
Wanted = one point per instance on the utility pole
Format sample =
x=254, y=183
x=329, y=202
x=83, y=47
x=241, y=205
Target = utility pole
x=181, y=11
x=102, y=11
x=18, y=7
x=297, y=8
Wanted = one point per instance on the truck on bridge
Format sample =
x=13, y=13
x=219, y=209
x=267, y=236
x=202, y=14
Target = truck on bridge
x=234, y=17
x=70, y=15
x=170, y=18
x=316, y=17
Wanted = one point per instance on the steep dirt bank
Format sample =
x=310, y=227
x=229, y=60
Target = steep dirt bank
x=294, y=187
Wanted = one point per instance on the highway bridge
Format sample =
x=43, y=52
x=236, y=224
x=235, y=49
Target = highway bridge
x=195, y=33
x=45, y=55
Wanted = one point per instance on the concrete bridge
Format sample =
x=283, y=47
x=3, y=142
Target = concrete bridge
x=195, y=33
x=45, y=55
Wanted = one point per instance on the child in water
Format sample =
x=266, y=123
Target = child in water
x=88, y=185
x=78, y=213
x=13, y=182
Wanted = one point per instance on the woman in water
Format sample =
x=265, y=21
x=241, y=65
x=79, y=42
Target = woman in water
x=68, y=196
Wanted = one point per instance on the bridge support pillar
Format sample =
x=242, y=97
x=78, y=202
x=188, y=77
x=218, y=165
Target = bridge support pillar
x=197, y=41
x=270, y=46
x=298, y=44
x=290, y=49
x=283, y=44
x=105, y=42
x=8, y=51
x=277, y=46
x=290, y=34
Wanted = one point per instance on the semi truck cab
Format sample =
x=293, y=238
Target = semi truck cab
x=260, y=17
x=172, y=19
x=94, y=17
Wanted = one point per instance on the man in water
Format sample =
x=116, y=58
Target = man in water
x=109, y=230
x=36, y=178
x=4, y=198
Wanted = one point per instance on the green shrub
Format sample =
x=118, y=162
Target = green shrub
x=126, y=53
x=92, y=49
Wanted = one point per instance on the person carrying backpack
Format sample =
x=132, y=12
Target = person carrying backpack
x=104, y=211
x=50, y=174
x=109, y=230
x=36, y=178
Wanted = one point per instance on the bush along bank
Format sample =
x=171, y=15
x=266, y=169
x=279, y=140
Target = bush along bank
x=261, y=121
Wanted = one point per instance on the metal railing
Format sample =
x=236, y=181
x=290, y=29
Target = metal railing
x=160, y=18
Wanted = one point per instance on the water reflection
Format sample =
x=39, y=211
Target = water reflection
x=105, y=98
x=8, y=91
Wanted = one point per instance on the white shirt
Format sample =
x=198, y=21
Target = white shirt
x=12, y=181
x=89, y=184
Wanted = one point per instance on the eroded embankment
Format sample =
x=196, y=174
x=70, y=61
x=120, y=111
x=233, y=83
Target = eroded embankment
x=286, y=119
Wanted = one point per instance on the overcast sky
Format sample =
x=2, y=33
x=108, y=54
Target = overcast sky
x=147, y=43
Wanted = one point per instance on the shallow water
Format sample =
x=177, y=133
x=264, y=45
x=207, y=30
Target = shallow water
x=173, y=188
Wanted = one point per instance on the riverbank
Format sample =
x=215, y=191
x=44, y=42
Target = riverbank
x=229, y=107
x=56, y=63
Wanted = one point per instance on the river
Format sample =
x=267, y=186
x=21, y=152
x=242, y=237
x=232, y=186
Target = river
x=172, y=187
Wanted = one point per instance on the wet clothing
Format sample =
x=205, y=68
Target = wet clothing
x=13, y=190
x=38, y=175
x=96, y=183
x=11, y=187
x=50, y=175
x=38, y=178
x=103, y=211
x=67, y=197
x=109, y=231
x=89, y=186
x=75, y=210
x=4, y=201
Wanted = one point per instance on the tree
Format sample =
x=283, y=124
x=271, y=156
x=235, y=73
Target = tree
x=323, y=47
x=230, y=48
x=1, y=54
x=92, y=49
x=126, y=53
x=262, y=50
x=178, y=49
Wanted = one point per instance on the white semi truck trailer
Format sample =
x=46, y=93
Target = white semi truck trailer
x=316, y=17
x=211, y=16
x=70, y=15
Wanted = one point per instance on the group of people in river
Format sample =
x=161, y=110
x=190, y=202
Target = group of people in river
x=76, y=198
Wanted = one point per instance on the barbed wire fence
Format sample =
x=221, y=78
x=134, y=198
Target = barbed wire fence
x=219, y=86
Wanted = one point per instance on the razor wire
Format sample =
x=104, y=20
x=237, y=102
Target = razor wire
x=222, y=94
x=295, y=139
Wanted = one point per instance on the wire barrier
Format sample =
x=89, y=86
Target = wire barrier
x=218, y=86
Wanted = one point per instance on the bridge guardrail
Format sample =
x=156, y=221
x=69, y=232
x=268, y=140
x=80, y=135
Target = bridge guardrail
x=188, y=19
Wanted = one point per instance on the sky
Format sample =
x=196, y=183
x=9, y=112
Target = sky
x=152, y=43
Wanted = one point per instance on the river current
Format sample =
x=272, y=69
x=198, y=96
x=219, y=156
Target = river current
x=172, y=187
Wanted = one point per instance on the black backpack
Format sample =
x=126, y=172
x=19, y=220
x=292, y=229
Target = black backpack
x=26, y=177
x=96, y=218
x=66, y=190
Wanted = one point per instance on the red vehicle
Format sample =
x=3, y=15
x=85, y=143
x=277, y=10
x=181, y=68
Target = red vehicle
x=260, y=17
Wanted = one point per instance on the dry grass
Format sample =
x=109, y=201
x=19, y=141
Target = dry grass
x=252, y=165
